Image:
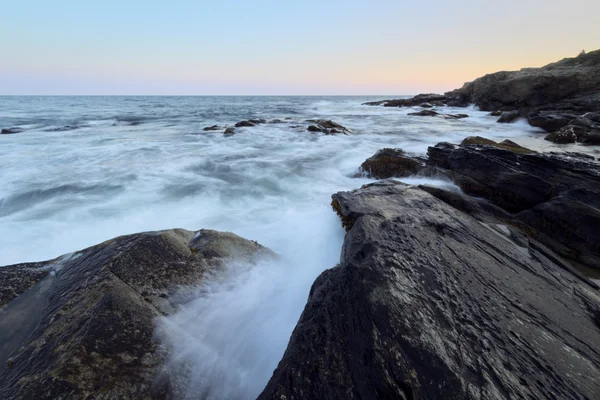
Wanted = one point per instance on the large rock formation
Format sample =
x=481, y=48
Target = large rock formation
x=431, y=303
x=82, y=326
x=561, y=94
x=564, y=94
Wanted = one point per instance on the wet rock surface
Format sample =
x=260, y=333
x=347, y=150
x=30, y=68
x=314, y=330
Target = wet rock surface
x=10, y=131
x=82, y=326
x=430, y=302
x=534, y=184
x=387, y=163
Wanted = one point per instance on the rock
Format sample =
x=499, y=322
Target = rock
x=563, y=135
x=508, y=117
x=425, y=113
x=429, y=303
x=506, y=144
x=496, y=113
x=212, y=128
x=551, y=97
x=519, y=181
x=550, y=121
x=387, y=163
x=571, y=222
x=276, y=121
x=425, y=105
x=242, y=124
x=257, y=121
x=10, y=131
x=85, y=330
x=534, y=87
x=592, y=138
x=229, y=132
x=327, y=126
x=424, y=98
x=455, y=116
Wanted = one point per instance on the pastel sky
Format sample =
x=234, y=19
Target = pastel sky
x=280, y=47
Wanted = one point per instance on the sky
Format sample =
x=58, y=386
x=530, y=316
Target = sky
x=264, y=47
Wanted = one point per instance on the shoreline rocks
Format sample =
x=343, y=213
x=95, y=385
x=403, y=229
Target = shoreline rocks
x=561, y=94
x=82, y=325
x=430, y=302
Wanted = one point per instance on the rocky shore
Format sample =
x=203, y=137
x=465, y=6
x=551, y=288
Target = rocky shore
x=462, y=295
x=82, y=326
x=480, y=290
x=563, y=98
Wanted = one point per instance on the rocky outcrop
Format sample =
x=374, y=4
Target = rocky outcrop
x=229, y=132
x=551, y=97
x=508, y=116
x=82, y=326
x=433, y=113
x=212, y=128
x=563, y=93
x=387, y=163
x=430, y=99
x=528, y=184
x=572, y=83
x=10, y=131
x=429, y=302
x=327, y=127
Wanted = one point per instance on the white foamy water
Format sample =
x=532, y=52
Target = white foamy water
x=91, y=168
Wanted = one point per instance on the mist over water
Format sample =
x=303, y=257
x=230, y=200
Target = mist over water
x=87, y=169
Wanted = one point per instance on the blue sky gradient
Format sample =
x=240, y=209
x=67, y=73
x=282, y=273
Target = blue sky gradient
x=275, y=47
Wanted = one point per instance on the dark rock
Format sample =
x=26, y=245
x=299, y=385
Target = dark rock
x=592, y=138
x=563, y=135
x=86, y=330
x=14, y=281
x=549, y=121
x=418, y=100
x=519, y=180
x=506, y=144
x=257, y=121
x=276, y=121
x=571, y=221
x=551, y=97
x=212, y=128
x=387, y=163
x=10, y=131
x=425, y=113
x=429, y=303
x=508, y=117
x=242, y=124
x=496, y=113
x=425, y=105
x=64, y=128
x=455, y=116
x=327, y=126
x=229, y=132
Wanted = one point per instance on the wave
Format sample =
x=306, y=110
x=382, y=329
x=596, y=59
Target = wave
x=26, y=199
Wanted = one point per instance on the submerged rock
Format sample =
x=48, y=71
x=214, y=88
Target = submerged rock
x=426, y=99
x=242, y=124
x=508, y=116
x=212, y=128
x=82, y=326
x=10, y=131
x=430, y=303
x=387, y=163
x=229, y=132
x=425, y=113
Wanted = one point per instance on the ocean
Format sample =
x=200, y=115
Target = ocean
x=87, y=169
